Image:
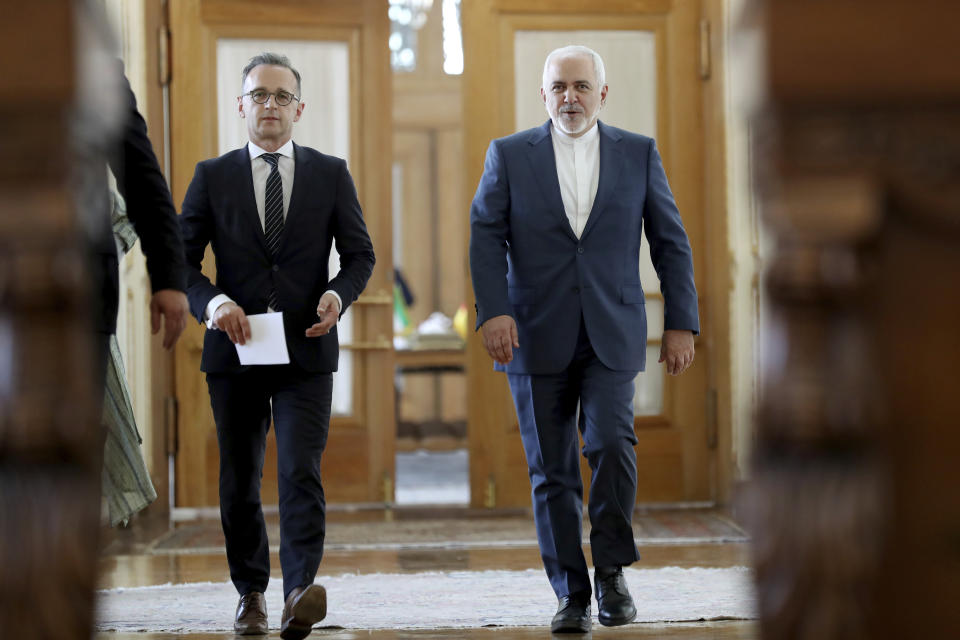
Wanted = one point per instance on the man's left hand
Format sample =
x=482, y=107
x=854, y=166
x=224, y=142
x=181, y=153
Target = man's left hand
x=328, y=311
x=676, y=349
x=172, y=306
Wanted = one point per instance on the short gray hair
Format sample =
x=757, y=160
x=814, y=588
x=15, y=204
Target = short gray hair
x=578, y=50
x=275, y=59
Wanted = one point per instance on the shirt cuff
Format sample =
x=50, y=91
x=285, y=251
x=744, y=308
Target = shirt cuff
x=212, y=307
x=337, y=296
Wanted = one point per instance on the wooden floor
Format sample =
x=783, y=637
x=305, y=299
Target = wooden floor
x=130, y=561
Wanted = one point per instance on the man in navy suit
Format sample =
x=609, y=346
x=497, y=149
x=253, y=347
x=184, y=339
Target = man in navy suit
x=554, y=253
x=271, y=211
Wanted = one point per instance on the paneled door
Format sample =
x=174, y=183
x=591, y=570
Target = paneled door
x=340, y=49
x=651, y=51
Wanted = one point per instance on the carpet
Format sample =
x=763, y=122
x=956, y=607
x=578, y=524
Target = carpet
x=462, y=599
x=655, y=527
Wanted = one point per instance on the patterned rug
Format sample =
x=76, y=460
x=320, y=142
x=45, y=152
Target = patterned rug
x=463, y=599
x=691, y=526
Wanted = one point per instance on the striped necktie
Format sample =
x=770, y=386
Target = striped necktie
x=273, y=214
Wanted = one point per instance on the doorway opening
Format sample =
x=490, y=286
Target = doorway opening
x=429, y=252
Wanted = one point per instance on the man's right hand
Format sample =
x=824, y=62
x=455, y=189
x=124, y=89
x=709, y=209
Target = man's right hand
x=500, y=338
x=230, y=317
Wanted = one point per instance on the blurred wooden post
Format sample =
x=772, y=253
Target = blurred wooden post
x=855, y=499
x=49, y=436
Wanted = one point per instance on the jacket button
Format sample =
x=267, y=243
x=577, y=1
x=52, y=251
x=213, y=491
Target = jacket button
x=576, y=289
x=579, y=249
x=276, y=267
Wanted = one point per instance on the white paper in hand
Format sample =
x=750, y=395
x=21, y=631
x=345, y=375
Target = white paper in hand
x=267, y=343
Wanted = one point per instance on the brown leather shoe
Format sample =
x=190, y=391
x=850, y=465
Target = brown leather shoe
x=251, y=617
x=304, y=608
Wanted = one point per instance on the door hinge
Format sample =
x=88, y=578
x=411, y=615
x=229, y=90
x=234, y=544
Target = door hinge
x=170, y=418
x=704, y=49
x=163, y=55
x=490, y=496
x=712, y=419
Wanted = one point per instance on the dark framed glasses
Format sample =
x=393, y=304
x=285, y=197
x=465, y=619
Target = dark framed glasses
x=282, y=98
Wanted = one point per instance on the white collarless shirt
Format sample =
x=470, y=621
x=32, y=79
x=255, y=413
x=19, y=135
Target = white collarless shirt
x=578, y=171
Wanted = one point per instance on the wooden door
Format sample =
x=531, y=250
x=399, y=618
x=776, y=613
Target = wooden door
x=651, y=50
x=340, y=49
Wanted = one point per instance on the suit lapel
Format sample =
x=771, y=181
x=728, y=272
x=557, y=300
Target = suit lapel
x=544, y=166
x=248, y=200
x=610, y=166
x=301, y=170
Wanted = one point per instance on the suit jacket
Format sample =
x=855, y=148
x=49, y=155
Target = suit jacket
x=526, y=261
x=220, y=209
x=149, y=208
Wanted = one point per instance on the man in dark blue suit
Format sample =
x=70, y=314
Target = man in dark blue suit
x=271, y=211
x=556, y=227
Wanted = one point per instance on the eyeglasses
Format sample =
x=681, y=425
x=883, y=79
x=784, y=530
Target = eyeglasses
x=282, y=98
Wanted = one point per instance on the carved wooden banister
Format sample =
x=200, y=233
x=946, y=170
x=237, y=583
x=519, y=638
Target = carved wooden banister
x=50, y=439
x=853, y=505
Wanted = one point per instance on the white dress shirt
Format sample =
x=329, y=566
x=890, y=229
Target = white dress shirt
x=261, y=171
x=578, y=170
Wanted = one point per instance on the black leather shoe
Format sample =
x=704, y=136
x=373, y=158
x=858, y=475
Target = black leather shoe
x=573, y=614
x=614, y=604
x=251, y=618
